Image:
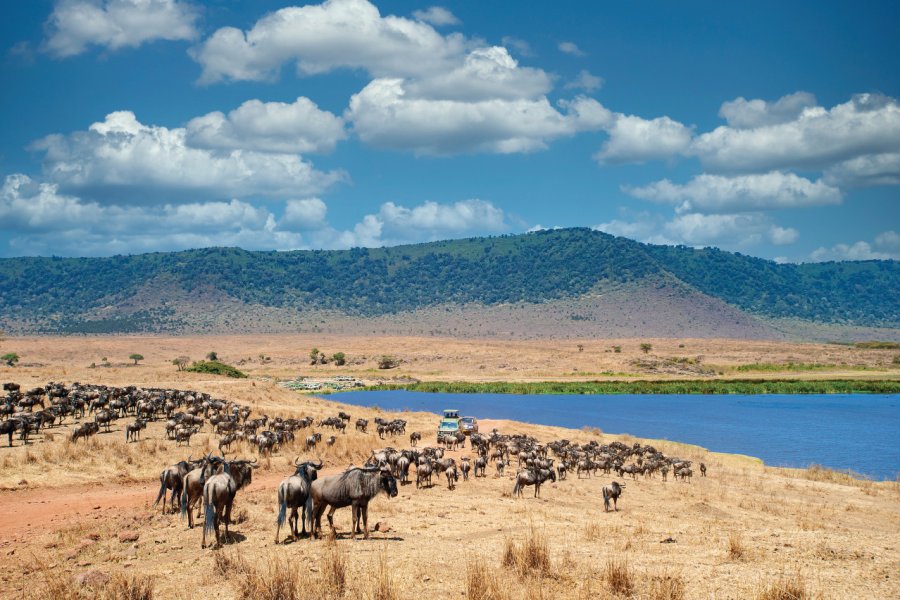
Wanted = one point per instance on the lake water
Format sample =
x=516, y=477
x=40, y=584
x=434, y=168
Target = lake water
x=857, y=432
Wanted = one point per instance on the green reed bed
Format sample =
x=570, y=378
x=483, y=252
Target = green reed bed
x=718, y=386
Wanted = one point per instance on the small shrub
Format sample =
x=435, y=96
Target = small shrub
x=645, y=348
x=785, y=589
x=618, y=576
x=339, y=358
x=666, y=587
x=736, y=548
x=216, y=368
x=617, y=349
x=212, y=356
x=10, y=358
x=388, y=362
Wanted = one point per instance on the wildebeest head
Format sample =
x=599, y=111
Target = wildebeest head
x=388, y=483
x=309, y=470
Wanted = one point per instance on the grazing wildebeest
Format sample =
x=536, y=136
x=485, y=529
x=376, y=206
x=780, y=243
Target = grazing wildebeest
x=84, y=430
x=423, y=475
x=612, y=492
x=9, y=427
x=192, y=486
x=355, y=487
x=172, y=478
x=293, y=493
x=480, y=466
x=465, y=466
x=218, y=498
x=133, y=430
x=533, y=477
x=452, y=477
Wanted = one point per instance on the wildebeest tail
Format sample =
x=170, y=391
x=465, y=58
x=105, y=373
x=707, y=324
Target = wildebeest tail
x=282, y=508
x=210, y=516
x=162, y=489
x=184, y=501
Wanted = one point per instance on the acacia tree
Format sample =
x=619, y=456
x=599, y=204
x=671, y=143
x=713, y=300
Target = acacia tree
x=136, y=357
x=645, y=348
x=181, y=362
x=11, y=358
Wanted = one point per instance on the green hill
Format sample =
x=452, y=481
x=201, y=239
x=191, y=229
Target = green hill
x=149, y=292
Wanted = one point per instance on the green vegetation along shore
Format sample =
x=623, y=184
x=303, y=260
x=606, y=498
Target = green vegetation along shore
x=716, y=386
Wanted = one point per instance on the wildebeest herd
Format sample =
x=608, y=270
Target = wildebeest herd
x=210, y=483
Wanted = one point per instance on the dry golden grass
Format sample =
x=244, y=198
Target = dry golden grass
x=736, y=549
x=619, y=577
x=76, y=498
x=119, y=586
x=785, y=588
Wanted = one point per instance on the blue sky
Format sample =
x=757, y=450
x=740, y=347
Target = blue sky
x=130, y=126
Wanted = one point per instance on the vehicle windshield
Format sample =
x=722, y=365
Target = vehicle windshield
x=468, y=419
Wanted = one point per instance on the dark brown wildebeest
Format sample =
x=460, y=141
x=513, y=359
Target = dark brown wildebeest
x=362, y=425
x=414, y=438
x=702, y=470
x=84, y=430
x=9, y=427
x=423, y=474
x=533, y=477
x=293, y=493
x=355, y=488
x=133, y=430
x=612, y=492
x=172, y=478
x=218, y=498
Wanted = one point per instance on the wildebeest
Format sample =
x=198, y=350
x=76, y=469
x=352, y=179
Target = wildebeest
x=414, y=438
x=9, y=427
x=293, y=493
x=172, y=478
x=533, y=477
x=465, y=466
x=480, y=466
x=133, y=430
x=702, y=470
x=218, y=498
x=354, y=487
x=423, y=474
x=452, y=477
x=612, y=492
x=84, y=430
x=362, y=424
x=192, y=485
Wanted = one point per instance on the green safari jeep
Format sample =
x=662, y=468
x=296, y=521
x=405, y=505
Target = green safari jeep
x=449, y=424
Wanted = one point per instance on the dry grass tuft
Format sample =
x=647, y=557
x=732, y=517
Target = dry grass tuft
x=119, y=586
x=666, y=587
x=736, y=549
x=275, y=579
x=619, y=578
x=482, y=584
x=334, y=570
x=382, y=584
x=786, y=589
x=531, y=557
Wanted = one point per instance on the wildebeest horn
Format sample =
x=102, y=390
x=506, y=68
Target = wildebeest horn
x=297, y=462
x=254, y=461
x=318, y=466
x=190, y=456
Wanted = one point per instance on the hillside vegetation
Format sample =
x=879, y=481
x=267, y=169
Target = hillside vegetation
x=142, y=292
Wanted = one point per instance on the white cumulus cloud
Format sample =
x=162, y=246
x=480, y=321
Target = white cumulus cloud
x=305, y=214
x=76, y=24
x=571, y=48
x=633, y=139
x=436, y=15
x=585, y=81
x=322, y=37
x=817, y=138
x=741, y=113
x=120, y=155
x=717, y=193
x=868, y=170
x=384, y=115
x=299, y=127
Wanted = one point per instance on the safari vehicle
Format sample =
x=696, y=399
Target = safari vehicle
x=449, y=424
x=468, y=425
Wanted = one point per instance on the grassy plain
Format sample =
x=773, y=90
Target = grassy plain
x=745, y=531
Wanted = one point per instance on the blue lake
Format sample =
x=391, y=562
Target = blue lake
x=847, y=431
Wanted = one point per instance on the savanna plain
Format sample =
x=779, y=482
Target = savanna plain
x=77, y=519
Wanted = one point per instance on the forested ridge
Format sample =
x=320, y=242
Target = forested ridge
x=534, y=267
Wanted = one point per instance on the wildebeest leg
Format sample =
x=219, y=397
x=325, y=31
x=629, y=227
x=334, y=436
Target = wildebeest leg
x=365, y=517
x=227, y=521
x=355, y=527
x=292, y=521
x=331, y=521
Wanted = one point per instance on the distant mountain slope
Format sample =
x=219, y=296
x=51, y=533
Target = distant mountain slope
x=162, y=291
